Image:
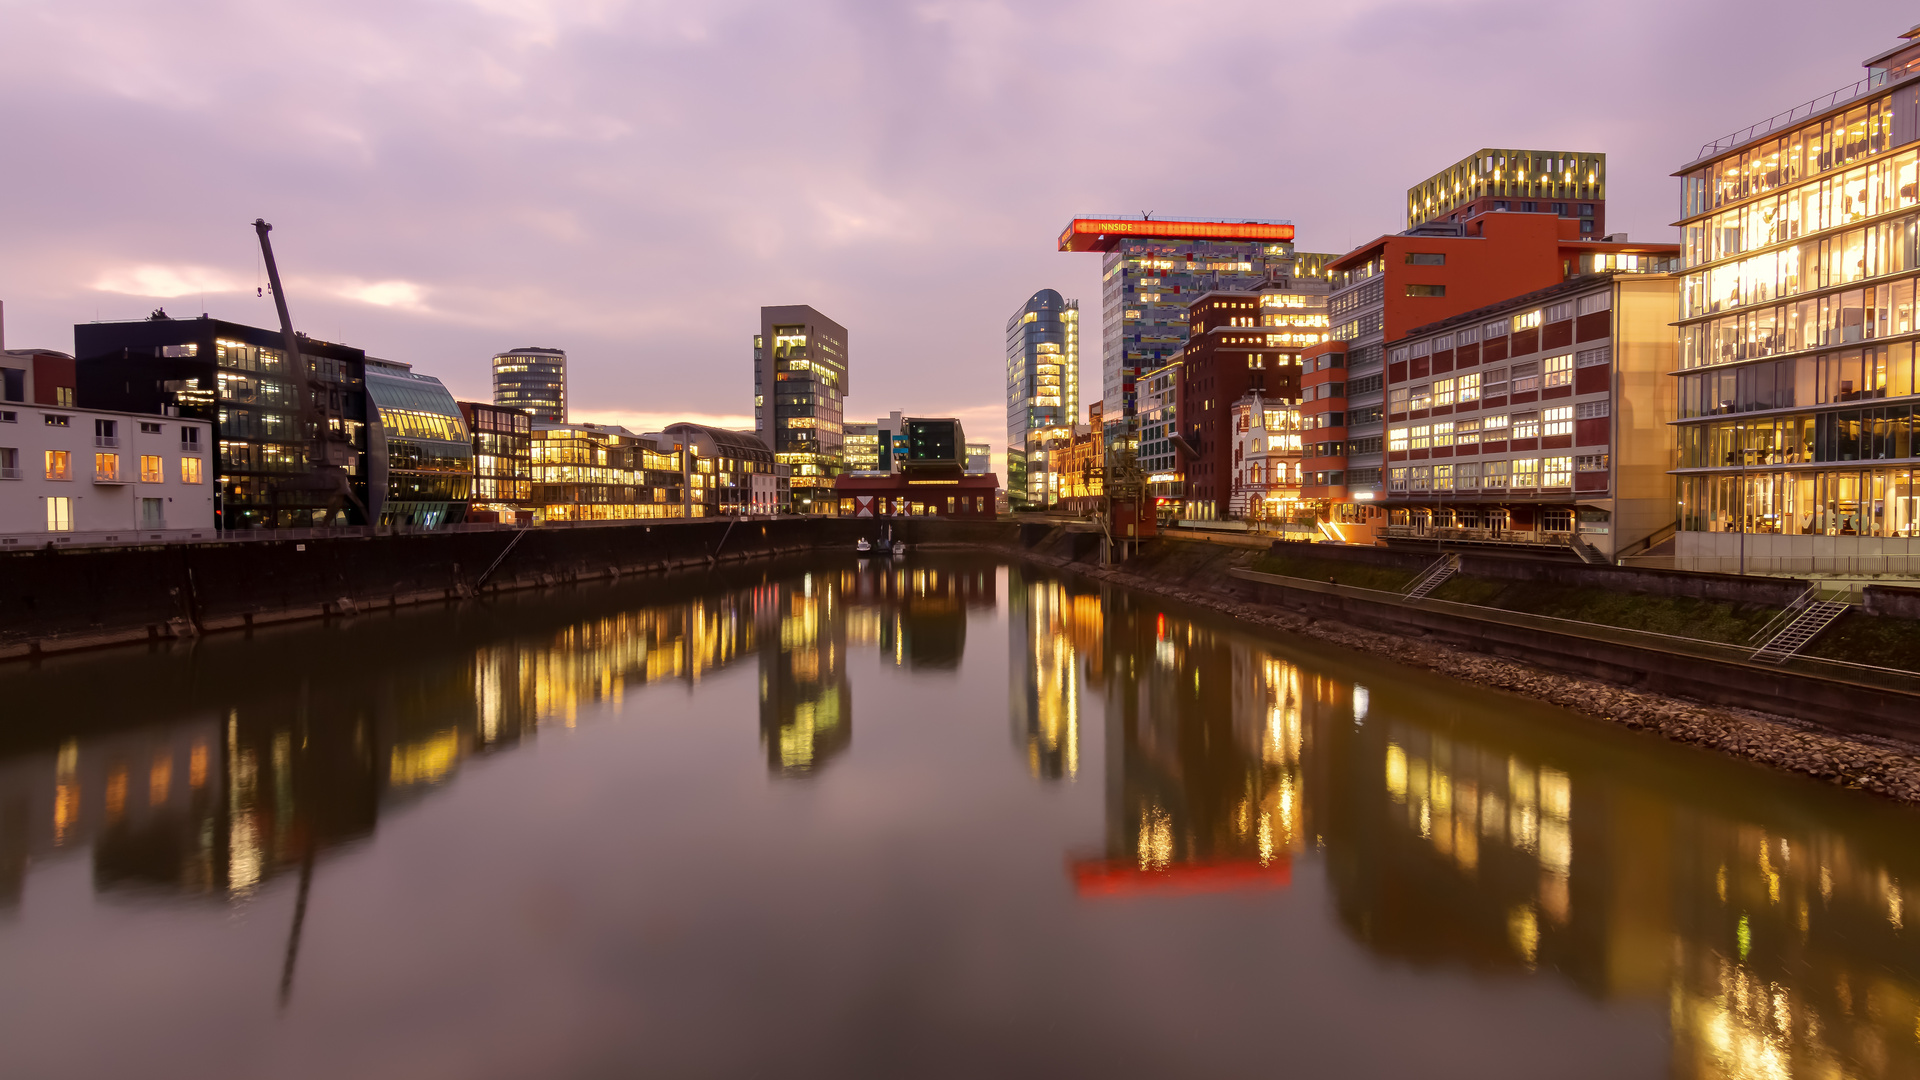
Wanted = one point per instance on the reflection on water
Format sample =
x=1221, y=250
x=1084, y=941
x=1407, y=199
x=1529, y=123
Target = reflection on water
x=1456, y=832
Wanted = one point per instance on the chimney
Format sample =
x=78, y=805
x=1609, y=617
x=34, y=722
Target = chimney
x=3, y=325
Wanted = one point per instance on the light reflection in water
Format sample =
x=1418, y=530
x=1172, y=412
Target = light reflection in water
x=1771, y=939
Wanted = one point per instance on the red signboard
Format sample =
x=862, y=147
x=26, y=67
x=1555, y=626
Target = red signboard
x=1099, y=234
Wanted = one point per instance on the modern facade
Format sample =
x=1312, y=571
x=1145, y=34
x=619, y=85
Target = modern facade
x=1386, y=288
x=932, y=481
x=1564, y=183
x=728, y=473
x=1043, y=379
x=419, y=450
x=1266, y=437
x=238, y=380
x=1796, y=336
x=800, y=384
x=1241, y=342
x=534, y=381
x=863, y=449
x=1159, y=457
x=594, y=472
x=1152, y=271
x=502, y=462
x=1541, y=420
x=979, y=457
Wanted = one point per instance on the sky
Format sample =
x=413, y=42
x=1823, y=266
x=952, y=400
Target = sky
x=631, y=181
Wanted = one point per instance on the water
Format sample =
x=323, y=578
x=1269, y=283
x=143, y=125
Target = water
x=933, y=818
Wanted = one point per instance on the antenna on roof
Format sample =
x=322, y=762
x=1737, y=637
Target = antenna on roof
x=1146, y=215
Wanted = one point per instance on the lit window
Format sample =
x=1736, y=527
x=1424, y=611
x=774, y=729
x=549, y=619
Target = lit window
x=1559, y=421
x=1466, y=432
x=1397, y=439
x=59, y=465
x=1526, y=473
x=1526, y=425
x=1591, y=463
x=60, y=515
x=1557, y=472
x=1443, y=478
x=1558, y=370
x=1529, y=321
x=1422, y=437
x=152, y=469
x=1469, y=388
x=1442, y=392
x=1443, y=434
x=190, y=470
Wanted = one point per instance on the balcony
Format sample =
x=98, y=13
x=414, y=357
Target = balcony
x=106, y=442
x=1459, y=535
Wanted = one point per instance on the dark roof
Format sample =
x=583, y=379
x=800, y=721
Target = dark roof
x=737, y=442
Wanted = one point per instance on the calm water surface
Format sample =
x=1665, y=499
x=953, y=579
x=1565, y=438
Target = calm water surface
x=934, y=817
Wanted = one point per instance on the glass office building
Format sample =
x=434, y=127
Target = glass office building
x=1043, y=382
x=1800, y=247
x=419, y=450
x=534, y=381
x=800, y=385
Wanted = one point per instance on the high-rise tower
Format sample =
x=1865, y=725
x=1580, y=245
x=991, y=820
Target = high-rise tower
x=799, y=398
x=1043, y=384
x=533, y=381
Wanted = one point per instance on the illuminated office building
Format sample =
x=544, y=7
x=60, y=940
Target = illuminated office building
x=1796, y=335
x=1043, y=384
x=419, y=449
x=1153, y=269
x=533, y=381
x=799, y=399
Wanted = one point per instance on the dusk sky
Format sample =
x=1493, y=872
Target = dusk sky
x=631, y=181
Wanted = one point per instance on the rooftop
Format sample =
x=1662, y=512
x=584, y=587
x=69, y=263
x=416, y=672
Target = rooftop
x=1099, y=232
x=1875, y=80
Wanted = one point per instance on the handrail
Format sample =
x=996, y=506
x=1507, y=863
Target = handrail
x=1800, y=112
x=1788, y=614
x=500, y=558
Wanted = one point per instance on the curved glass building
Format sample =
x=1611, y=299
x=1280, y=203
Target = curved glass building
x=1043, y=387
x=419, y=449
x=533, y=381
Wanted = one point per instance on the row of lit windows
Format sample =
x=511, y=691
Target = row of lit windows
x=1548, y=423
x=1835, y=142
x=1850, y=502
x=1530, y=377
x=106, y=467
x=1881, y=371
x=1519, y=473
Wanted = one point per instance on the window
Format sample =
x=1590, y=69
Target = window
x=190, y=470
x=1422, y=477
x=1468, y=336
x=1466, y=432
x=1443, y=434
x=1421, y=437
x=1492, y=330
x=1397, y=355
x=1494, y=426
x=1422, y=397
x=1591, y=463
x=1593, y=302
x=1528, y=321
x=13, y=384
x=106, y=467
x=1556, y=519
x=1397, y=438
x=1443, y=478
x=63, y=395
x=1426, y=290
x=1426, y=258
x=1586, y=209
x=1466, y=475
x=1558, y=370
x=1469, y=388
x=1443, y=343
x=1557, y=472
x=9, y=417
x=1442, y=392
x=59, y=465
x=1526, y=378
x=152, y=469
x=190, y=439
x=1526, y=473
x=1497, y=382
x=1560, y=312
x=1397, y=399
x=1422, y=348
x=56, y=420
x=1398, y=480
x=106, y=433
x=60, y=515
x=1560, y=421
x=1526, y=425
x=1593, y=357
x=150, y=429
x=1494, y=474
x=9, y=463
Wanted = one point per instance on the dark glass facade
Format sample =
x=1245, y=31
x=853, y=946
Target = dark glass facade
x=534, y=381
x=420, y=452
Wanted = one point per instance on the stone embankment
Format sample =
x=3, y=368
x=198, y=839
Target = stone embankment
x=1200, y=578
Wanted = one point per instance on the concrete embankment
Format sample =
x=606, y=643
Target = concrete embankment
x=60, y=601
x=1856, y=729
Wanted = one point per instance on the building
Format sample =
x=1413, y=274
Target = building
x=1387, y=287
x=502, y=462
x=979, y=457
x=1541, y=420
x=1159, y=458
x=1043, y=383
x=78, y=476
x=1152, y=271
x=932, y=481
x=727, y=472
x=1797, y=333
x=1242, y=342
x=420, y=464
x=1076, y=466
x=238, y=381
x=800, y=384
x=533, y=381
x=863, y=449
x=1564, y=183
x=1266, y=438
x=1325, y=445
x=594, y=472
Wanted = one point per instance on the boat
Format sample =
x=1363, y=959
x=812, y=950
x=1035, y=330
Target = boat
x=899, y=547
x=863, y=547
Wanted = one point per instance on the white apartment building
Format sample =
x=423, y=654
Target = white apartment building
x=80, y=476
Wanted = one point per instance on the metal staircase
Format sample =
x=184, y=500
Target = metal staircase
x=1588, y=553
x=1430, y=579
x=1812, y=613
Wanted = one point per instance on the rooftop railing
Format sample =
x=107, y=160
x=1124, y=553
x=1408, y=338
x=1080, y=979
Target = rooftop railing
x=1812, y=108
